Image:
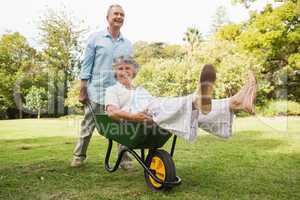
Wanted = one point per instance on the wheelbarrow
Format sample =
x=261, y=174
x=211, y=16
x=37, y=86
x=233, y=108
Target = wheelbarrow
x=159, y=168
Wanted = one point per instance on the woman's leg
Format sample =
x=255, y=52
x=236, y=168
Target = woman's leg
x=219, y=121
x=244, y=99
x=205, y=89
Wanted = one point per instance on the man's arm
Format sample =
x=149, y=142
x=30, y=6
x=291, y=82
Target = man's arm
x=86, y=69
x=118, y=114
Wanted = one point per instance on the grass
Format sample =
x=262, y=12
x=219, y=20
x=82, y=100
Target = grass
x=261, y=161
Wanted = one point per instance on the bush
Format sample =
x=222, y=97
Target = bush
x=280, y=108
x=72, y=101
x=169, y=77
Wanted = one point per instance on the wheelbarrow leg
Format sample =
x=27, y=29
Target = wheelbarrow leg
x=173, y=145
x=108, y=152
x=143, y=154
x=141, y=159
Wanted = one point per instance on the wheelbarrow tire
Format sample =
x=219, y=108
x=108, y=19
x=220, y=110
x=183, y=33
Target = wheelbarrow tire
x=162, y=165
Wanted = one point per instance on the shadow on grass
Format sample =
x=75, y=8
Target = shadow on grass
x=240, y=168
x=243, y=167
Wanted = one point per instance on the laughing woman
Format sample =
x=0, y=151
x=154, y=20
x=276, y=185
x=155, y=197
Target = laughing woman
x=180, y=115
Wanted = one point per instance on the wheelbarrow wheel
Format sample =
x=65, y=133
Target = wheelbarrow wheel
x=161, y=164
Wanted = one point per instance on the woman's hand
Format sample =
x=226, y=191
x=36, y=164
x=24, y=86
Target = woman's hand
x=118, y=114
x=142, y=117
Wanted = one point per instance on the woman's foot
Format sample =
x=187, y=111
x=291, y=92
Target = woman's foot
x=245, y=98
x=205, y=89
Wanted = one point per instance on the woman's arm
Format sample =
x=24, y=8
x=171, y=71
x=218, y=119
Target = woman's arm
x=118, y=114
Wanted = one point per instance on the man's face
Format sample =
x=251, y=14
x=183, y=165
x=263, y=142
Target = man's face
x=115, y=17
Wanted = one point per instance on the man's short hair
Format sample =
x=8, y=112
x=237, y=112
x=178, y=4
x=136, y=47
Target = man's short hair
x=111, y=7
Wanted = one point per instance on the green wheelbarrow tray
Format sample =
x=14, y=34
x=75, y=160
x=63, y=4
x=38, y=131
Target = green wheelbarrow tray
x=136, y=135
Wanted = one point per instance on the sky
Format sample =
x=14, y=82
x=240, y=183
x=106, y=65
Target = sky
x=151, y=21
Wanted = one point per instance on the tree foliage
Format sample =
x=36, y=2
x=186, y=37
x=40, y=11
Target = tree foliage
x=36, y=100
x=144, y=51
x=219, y=19
x=228, y=32
x=72, y=99
x=60, y=36
x=268, y=43
x=232, y=65
x=246, y=3
x=16, y=58
x=193, y=37
x=179, y=77
x=274, y=35
x=169, y=77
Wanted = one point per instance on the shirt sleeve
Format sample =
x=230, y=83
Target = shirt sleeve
x=111, y=97
x=87, y=62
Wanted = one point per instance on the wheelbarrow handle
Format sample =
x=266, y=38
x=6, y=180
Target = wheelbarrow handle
x=90, y=107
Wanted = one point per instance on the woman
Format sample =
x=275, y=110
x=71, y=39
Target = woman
x=179, y=115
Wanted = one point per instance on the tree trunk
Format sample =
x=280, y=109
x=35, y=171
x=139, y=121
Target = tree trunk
x=39, y=113
x=65, y=90
x=55, y=95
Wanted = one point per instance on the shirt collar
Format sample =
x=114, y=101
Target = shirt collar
x=107, y=34
x=123, y=86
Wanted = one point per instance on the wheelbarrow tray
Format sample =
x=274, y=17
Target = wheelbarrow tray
x=134, y=135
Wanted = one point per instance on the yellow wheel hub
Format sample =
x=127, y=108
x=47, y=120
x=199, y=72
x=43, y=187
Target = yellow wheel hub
x=160, y=171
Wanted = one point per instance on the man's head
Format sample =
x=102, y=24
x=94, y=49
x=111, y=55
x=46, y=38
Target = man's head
x=115, y=16
x=125, y=68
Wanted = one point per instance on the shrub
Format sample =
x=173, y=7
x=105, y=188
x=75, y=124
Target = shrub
x=72, y=101
x=280, y=108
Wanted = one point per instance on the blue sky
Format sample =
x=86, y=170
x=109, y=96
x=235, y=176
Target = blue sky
x=155, y=20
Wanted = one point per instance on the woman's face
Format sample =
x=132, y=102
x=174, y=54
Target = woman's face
x=125, y=73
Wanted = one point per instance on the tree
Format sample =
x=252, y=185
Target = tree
x=246, y=3
x=219, y=19
x=232, y=64
x=179, y=77
x=193, y=37
x=228, y=32
x=274, y=35
x=16, y=59
x=60, y=37
x=72, y=100
x=36, y=100
x=169, y=77
x=144, y=51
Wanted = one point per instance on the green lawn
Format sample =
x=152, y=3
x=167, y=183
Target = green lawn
x=261, y=161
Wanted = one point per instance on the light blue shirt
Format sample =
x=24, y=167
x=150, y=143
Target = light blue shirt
x=96, y=66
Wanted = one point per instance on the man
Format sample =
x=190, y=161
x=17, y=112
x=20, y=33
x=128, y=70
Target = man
x=97, y=74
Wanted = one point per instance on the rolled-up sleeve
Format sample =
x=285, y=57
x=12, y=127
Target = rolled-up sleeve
x=87, y=62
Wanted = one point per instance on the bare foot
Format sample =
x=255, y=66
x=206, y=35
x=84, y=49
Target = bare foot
x=205, y=89
x=245, y=98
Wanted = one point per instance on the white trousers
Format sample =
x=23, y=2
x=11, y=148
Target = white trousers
x=176, y=115
x=219, y=121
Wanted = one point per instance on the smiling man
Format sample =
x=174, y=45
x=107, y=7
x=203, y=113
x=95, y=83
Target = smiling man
x=97, y=74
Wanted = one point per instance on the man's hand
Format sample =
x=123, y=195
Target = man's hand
x=83, y=96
